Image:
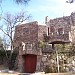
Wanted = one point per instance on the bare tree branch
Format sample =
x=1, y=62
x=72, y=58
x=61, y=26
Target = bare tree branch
x=22, y=1
x=70, y=1
x=19, y=1
x=5, y=32
x=11, y=21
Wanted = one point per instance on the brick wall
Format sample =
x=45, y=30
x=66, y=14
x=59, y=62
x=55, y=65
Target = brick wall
x=41, y=30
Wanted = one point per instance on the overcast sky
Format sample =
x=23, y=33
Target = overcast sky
x=39, y=9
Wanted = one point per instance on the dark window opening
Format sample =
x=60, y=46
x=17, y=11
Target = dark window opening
x=52, y=30
x=60, y=31
x=48, y=30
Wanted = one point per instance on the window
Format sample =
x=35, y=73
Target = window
x=48, y=30
x=29, y=46
x=60, y=31
x=52, y=29
x=23, y=44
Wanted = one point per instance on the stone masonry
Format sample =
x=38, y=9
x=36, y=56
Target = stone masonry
x=29, y=34
x=61, y=28
x=59, y=31
x=56, y=31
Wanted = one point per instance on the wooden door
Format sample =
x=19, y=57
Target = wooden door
x=30, y=62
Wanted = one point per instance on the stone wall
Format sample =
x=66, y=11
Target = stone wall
x=27, y=33
x=61, y=27
x=72, y=34
x=32, y=33
x=73, y=18
x=41, y=30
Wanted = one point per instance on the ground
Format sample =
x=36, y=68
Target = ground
x=39, y=73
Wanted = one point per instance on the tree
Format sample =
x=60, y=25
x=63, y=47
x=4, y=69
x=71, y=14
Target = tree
x=2, y=51
x=70, y=1
x=19, y=1
x=22, y=1
x=10, y=22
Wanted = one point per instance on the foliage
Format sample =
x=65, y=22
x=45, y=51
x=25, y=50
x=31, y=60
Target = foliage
x=72, y=50
x=47, y=69
x=19, y=1
x=62, y=48
x=70, y=1
x=13, y=58
x=51, y=69
x=41, y=44
x=22, y=1
x=65, y=52
x=2, y=52
x=10, y=22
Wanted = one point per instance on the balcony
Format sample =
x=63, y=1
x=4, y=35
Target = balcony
x=57, y=39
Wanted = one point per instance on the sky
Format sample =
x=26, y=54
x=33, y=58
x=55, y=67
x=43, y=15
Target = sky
x=39, y=9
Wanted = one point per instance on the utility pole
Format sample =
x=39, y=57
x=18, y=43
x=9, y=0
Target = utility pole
x=57, y=61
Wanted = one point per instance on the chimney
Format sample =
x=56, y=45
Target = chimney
x=46, y=19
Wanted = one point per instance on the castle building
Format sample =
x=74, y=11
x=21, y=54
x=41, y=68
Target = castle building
x=29, y=38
